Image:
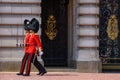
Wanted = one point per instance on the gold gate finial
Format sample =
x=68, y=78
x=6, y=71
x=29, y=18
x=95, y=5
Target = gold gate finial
x=112, y=28
x=51, y=32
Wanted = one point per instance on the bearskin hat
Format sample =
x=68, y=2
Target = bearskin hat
x=26, y=24
x=34, y=25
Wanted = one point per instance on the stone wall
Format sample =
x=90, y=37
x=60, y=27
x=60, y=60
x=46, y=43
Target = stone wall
x=86, y=32
x=12, y=15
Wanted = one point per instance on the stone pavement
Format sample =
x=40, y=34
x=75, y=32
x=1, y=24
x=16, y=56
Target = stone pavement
x=61, y=76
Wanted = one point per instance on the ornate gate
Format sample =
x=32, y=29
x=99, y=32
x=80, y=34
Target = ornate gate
x=110, y=34
x=54, y=32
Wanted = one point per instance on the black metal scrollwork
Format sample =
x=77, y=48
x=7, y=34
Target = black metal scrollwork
x=109, y=31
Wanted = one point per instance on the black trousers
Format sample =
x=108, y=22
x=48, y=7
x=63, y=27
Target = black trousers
x=28, y=58
x=24, y=60
x=38, y=65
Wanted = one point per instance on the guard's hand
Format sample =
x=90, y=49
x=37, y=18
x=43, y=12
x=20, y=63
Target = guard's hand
x=40, y=49
x=41, y=53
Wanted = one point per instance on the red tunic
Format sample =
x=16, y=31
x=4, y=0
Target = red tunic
x=34, y=42
x=26, y=41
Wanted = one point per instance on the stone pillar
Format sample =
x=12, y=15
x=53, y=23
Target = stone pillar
x=85, y=42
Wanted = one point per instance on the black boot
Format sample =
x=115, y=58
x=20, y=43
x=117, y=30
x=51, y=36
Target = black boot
x=39, y=73
x=26, y=75
x=43, y=73
x=19, y=74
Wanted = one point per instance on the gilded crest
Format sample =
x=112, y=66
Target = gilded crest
x=112, y=28
x=51, y=30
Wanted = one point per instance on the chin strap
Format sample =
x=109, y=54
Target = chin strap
x=23, y=36
x=17, y=37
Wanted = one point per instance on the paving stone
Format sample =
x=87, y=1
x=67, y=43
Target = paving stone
x=61, y=76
